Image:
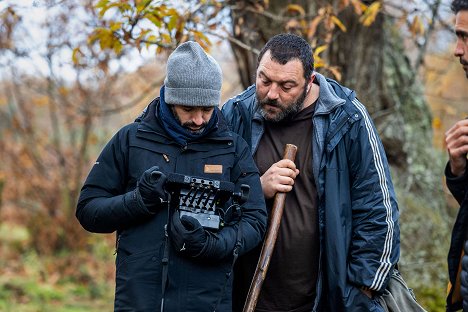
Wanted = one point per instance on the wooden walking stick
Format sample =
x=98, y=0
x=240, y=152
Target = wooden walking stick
x=270, y=240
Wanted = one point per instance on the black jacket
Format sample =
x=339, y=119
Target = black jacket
x=458, y=186
x=107, y=204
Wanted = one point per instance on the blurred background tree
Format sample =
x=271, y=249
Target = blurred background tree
x=95, y=70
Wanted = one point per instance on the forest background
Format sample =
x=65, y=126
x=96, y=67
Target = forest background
x=73, y=72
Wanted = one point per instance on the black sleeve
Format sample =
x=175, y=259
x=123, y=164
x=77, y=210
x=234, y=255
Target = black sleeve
x=105, y=203
x=458, y=186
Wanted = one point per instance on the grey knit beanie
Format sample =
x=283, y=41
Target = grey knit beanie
x=193, y=78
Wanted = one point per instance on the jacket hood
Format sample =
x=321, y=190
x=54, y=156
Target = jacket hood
x=328, y=99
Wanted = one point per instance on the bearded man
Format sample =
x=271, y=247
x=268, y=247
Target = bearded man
x=339, y=238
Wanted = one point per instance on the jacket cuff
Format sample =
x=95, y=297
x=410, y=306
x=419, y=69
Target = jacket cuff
x=455, y=179
x=134, y=204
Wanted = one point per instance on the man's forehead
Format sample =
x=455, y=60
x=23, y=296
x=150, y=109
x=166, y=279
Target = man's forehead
x=272, y=69
x=461, y=21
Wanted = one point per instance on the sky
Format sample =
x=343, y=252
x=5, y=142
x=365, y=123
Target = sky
x=32, y=37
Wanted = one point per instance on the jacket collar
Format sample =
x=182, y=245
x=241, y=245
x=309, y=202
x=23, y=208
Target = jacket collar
x=328, y=100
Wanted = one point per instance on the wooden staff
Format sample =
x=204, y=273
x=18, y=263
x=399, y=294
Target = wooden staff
x=270, y=240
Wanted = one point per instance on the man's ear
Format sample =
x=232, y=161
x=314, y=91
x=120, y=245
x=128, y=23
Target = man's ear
x=311, y=81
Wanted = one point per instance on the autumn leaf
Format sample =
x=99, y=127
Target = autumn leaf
x=358, y=6
x=114, y=26
x=417, y=27
x=335, y=72
x=436, y=123
x=296, y=8
x=319, y=50
x=313, y=24
x=75, y=55
x=338, y=23
x=292, y=24
x=370, y=14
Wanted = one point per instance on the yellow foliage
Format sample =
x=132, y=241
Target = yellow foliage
x=3, y=101
x=358, y=6
x=292, y=24
x=312, y=29
x=437, y=123
x=417, y=27
x=75, y=55
x=319, y=50
x=114, y=26
x=335, y=72
x=296, y=8
x=40, y=100
x=370, y=14
x=338, y=23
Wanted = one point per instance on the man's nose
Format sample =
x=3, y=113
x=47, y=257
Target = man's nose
x=459, y=48
x=197, y=118
x=273, y=92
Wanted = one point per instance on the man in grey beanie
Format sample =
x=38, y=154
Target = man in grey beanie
x=154, y=184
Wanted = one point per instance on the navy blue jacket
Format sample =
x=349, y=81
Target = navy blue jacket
x=358, y=212
x=107, y=204
x=458, y=186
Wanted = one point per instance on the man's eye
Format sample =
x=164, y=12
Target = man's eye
x=462, y=36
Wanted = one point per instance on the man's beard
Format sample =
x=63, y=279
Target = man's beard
x=285, y=112
x=464, y=63
x=188, y=124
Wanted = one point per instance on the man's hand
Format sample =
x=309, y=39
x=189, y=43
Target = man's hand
x=187, y=235
x=456, y=139
x=279, y=178
x=151, y=188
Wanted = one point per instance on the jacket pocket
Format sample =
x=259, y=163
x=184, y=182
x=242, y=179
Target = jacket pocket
x=138, y=280
x=242, y=170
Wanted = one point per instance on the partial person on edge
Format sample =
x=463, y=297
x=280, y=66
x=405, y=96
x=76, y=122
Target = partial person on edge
x=456, y=174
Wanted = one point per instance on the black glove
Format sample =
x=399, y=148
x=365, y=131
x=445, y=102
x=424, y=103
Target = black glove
x=188, y=236
x=151, y=188
x=464, y=278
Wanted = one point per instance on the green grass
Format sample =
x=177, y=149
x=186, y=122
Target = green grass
x=64, y=282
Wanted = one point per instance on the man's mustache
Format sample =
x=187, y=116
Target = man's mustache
x=190, y=124
x=463, y=62
x=269, y=102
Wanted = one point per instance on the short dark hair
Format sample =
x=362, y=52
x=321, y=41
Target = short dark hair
x=285, y=47
x=459, y=5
